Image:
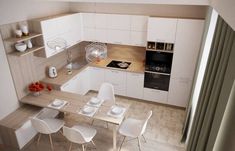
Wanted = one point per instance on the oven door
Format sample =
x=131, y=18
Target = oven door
x=156, y=81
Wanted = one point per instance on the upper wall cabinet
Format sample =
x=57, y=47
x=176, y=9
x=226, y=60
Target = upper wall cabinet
x=161, y=29
x=116, y=29
x=67, y=28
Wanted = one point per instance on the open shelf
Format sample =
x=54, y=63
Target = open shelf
x=28, y=51
x=23, y=38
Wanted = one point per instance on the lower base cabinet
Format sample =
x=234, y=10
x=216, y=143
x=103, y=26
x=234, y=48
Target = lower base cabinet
x=134, y=85
x=179, y=91
x=155, y=95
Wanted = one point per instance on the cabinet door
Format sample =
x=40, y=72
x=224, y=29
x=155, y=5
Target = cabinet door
x=161, y=29
x=117, y=79
x=179, y=92
x=155, y=95
x=138, y=38
x=88, y=20
x=187, y=46
x=101, y=21
x=139, y=23
x=118, y=37
x=89, y=34
x=134, y=85
x=101, y=35
x=96, y=78
x=118, y=22
x=83, y=79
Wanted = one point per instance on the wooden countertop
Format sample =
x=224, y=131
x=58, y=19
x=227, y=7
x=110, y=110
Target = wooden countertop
x=17, y=118
x=63, y=77
x=75, y=103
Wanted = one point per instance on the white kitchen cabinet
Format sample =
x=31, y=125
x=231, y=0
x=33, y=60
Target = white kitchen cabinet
x=139, y=23
x=67, y=28
x=134, y=85
x=118, y=22
x=117, y=79
x=187, y=46
x=89, y=34
x=188, y=39
x=79, y=84
x=155, y=95
x=84, y=81
x=118, y=37
x=101, y=21
x=88, y=20
x=161, y=29
x=179, y=91
x=96, y=77
x=138, y=38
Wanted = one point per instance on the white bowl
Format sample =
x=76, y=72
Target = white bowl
x=88, y=110
x=117, y=110
x=21, y=46
x=94, y=100
x=57, y=103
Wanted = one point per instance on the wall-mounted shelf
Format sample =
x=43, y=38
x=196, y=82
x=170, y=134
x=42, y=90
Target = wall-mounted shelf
x=23, y=38
x=160, y=46
x=28, y=51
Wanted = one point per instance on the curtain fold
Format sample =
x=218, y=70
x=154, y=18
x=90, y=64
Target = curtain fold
x=212, y=84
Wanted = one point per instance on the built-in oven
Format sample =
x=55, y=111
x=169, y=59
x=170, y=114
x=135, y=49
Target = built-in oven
x=157, y=70
x=157, y=61
x=158, y=81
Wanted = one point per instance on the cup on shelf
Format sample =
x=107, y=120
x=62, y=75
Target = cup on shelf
x=29, y=44
x=18, y=33
x=21, y=47
x=25, y=30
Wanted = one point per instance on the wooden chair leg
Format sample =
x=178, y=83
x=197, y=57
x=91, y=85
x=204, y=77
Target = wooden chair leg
x=39, y=136
x=83, y=147
x=52, y=147
x=70, y=146
x=122, y=143
x=93, y=143
x=139, y=143
x=144, y=139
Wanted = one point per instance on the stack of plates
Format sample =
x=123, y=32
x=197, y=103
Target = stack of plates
x=116, y=111
x=88, y=110
x=57, y=103
x=95, y=102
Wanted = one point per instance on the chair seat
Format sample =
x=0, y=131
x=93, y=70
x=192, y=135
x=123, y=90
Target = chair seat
x=131, y=127
x=87, y=132
x=54, y=124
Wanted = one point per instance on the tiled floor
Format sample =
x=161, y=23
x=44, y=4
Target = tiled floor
x=163, y=131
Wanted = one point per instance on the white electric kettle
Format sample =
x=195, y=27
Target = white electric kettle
x=52, y=72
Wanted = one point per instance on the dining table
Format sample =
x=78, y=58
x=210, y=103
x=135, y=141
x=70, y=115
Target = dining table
x=75, y=103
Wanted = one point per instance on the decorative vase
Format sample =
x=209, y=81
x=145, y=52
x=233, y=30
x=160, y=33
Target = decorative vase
x=36, y=93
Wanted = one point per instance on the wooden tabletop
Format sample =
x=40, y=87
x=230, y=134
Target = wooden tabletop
x=75, y=103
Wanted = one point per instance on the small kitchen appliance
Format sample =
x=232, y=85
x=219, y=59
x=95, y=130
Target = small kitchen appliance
x=52, y=72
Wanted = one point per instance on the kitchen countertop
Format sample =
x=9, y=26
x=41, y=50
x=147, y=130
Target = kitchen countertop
x=63, y=77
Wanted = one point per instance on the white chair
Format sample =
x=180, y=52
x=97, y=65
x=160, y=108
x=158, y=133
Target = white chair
x=80, y=135
x=134, y=128
x=47, y=126
x=106, y=93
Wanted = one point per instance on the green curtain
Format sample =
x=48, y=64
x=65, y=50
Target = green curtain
x=221, y=48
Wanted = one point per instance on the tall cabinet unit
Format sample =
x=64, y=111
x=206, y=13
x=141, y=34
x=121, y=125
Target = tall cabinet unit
x=187, y=45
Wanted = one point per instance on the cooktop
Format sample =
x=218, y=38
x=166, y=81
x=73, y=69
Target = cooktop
x=119, y=64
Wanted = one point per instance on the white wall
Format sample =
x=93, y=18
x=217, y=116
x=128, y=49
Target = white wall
x=19, y=10
x=226, y=9
x=13, y=11
x=202, y=63
x=188, y=11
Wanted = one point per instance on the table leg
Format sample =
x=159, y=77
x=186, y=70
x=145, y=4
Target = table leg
x=115, y=137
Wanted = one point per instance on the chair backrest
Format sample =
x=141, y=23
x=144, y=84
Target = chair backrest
x=145, y=121
x=73, y=135
x=40, y=125
x=106, y=92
